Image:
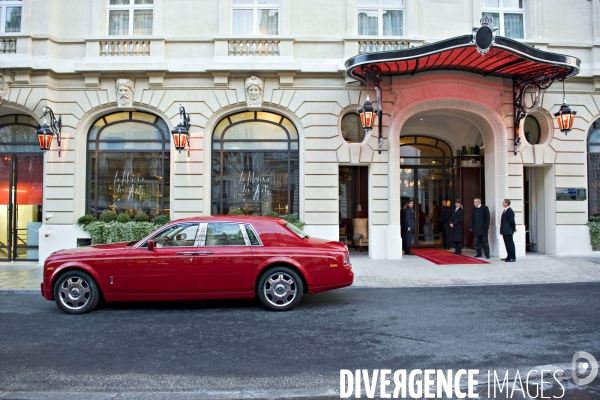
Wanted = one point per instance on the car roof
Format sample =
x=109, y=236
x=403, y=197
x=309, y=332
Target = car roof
x=232, y=218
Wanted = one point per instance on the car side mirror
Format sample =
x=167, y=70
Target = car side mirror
x=150, y=245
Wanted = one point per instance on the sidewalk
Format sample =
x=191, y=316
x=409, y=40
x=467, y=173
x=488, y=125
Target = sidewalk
x=411, y=271
x=414, y=271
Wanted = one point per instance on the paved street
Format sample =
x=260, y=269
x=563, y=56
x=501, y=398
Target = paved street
x=232, y=348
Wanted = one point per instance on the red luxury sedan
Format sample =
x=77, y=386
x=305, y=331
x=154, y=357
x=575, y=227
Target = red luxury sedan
x=220, y=257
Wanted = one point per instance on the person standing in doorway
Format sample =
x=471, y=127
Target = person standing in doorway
x=480, y=226
x=507, y=230
x=445, y=215
x=456, y=223
x=435, y=217
x=408, y=227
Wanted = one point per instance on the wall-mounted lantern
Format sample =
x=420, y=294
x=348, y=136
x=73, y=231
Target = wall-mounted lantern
x=565, y=116
x=181, y=133
x=367, y=115
x=46, y=133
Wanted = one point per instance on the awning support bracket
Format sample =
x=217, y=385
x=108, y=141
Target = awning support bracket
x=374, y=74
x=532, y=88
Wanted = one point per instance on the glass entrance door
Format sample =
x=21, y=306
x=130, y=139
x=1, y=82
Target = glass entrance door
x=21, y=189
x=426, y=187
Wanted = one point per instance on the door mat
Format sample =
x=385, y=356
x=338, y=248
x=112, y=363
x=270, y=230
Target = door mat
x=442, y=257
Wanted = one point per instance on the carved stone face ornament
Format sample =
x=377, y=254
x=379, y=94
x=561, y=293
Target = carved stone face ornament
x=5, y=81
x=254, y=91
x=124, y=92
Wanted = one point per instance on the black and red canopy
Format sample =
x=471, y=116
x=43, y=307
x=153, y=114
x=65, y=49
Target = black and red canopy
x=503, y=57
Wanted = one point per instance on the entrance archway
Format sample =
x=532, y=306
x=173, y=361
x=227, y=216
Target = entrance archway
x=495, y=139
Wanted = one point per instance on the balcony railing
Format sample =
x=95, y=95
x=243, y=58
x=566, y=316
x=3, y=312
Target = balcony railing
x=133, y=48
x=254, y=47
x=374, y=46
x=8, y=45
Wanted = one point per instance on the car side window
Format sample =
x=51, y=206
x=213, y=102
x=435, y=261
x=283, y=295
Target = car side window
x=224, y=234
x=252, y=236
x=177, y=235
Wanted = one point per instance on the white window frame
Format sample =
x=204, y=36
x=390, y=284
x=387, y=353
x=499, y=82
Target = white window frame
x=131, y=7
x=501, y=10
x=255, y=7
x=9, y=3
x=381, y=8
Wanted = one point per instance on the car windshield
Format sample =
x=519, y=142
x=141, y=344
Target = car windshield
x=296, y=230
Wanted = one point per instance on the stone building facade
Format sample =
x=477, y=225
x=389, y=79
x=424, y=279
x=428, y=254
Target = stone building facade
x=129, y=63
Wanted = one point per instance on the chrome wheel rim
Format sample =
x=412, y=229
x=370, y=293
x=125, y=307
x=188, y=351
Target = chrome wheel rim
x=74, y=293
x=280, y=289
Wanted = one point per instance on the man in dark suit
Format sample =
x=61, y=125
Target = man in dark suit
x=480, y=226
x=445, y=214
x=456, y=223
x=507, y=230
x=408, y=227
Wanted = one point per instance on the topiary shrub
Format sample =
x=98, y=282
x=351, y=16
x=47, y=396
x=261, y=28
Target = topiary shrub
x=108, y=216
x=98, y=231
x=86, y=219
x=138, y=230
x=123, y=218
x=235, y=211
x=594, y=225
x=292, y=219
x=272, y=214
x=161, y=220
x=116, y=232
x=141, y=217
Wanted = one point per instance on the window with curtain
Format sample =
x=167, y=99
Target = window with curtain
x=10, y=11
x=255, y=164
x=381, y=17
x=128, y=164
x=507, y=16
x=594, y=169
x=255, y=17
x=130, y=17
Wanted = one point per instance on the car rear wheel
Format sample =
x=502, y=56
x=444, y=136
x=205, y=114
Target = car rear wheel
x=280, y=289
x=76, y=292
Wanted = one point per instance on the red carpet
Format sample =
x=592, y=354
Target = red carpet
x=442, y=257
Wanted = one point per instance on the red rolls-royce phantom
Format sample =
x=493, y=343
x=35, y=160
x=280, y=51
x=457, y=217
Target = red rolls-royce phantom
x=220, y=257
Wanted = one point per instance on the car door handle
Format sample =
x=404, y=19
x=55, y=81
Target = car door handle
x=194, y=253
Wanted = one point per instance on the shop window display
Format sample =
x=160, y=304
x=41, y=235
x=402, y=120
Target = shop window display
x=255, y=165
x=128, y=164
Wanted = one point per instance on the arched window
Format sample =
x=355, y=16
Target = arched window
x=425, y=150
x=255, y=164
x=532, y=130
x=352, y=130
x=128, y=164
x=594, y=169
x=17, y=134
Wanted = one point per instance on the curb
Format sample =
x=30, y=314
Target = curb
x=192, y=395
x=19, y=291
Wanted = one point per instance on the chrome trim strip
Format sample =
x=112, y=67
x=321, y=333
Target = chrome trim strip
x=244, y=234
x=201, y=236
x=260, y=243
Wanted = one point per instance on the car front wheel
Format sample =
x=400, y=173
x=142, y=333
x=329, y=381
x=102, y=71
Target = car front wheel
x=280, y=289
x=76, y=292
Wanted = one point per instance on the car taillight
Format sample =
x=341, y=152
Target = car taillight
x=347, y=256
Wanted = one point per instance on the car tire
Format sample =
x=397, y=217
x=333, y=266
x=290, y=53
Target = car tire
x=76, y=292
x=280, y=288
